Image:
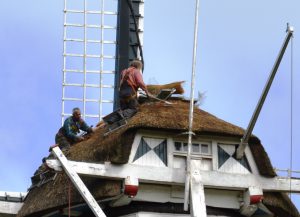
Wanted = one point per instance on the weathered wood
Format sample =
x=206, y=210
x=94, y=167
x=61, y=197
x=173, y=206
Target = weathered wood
x=85, y=193
x=166, y=175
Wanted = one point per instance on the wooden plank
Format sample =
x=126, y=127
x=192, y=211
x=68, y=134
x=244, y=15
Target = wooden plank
x=167, y=175
x=197, y=201
x=85, y=193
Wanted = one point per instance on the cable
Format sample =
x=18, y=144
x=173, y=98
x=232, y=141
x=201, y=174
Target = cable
x=136, y=31
x=291, y=126
x=69, y=193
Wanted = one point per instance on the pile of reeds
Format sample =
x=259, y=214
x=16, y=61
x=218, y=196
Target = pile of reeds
x=155, y=89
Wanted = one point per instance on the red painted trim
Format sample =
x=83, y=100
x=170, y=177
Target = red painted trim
x=131, y=190
x=254, y=199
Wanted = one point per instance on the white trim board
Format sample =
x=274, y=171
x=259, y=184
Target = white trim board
x=166, y=175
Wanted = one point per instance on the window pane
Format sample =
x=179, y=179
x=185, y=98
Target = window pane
x=204, y=148
x=185, y=148
x=196, y=148
x=178, y=146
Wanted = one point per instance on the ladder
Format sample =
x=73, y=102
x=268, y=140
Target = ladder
x=89, y=45
x=78, y=183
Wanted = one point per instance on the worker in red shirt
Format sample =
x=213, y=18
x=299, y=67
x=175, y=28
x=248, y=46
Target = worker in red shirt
x=131, y=80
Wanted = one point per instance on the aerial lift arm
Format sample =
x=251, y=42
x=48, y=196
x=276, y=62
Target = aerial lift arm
x=248, y=132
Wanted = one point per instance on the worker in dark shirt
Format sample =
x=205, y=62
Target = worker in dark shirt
x=67, y=134
x=131, y=80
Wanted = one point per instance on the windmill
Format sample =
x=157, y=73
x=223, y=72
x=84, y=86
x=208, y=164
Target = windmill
x=146, y=172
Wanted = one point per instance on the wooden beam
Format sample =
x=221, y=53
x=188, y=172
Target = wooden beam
x=176, y=176
x=85, y=193
x=244, y=141
x=197, y=199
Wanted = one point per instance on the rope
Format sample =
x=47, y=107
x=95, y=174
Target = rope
x=69, y=193
x=291, y=117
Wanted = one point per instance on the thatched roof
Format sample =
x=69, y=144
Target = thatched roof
x=116, y=148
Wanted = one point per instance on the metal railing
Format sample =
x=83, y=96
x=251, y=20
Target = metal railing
x=289, y=173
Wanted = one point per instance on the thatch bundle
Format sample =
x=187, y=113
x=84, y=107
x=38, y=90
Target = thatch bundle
x=280, y=204
x=116, y=148
x=155, y=89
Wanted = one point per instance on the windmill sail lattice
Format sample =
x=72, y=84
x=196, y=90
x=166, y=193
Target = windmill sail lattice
x=89, y=57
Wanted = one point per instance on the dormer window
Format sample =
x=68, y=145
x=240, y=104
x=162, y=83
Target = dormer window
x=198, y=148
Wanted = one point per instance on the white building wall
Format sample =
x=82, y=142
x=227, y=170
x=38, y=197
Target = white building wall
x=152, y=214
x=175, y=194
x=11, y=208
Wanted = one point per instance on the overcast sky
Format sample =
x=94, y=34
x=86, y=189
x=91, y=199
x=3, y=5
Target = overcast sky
x=237, y=45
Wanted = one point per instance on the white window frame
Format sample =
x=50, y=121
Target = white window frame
x=193, y=154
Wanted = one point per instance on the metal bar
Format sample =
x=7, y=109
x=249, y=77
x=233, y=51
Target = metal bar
x=92, y=116
x=83, y=190
x=87, y=100
x=248, y=132
x=90, y=26
x=84, y=61
x=101, y=60
x=286, y=170
x=191, y=111
x=90, y=71
x=92, y=12
x=64, y=64
x=90, y=41
x=89, y=55
x=87, y=115
x=88, y=85
x=109, y=42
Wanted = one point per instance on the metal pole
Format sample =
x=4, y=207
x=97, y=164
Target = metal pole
x=64, y=64
x=101, y=62
x=84, y=58
x=248, y=132
x=191, y=112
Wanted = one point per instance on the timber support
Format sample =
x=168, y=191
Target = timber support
x=248, y=132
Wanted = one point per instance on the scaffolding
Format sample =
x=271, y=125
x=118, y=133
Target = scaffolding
x=89, y=47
